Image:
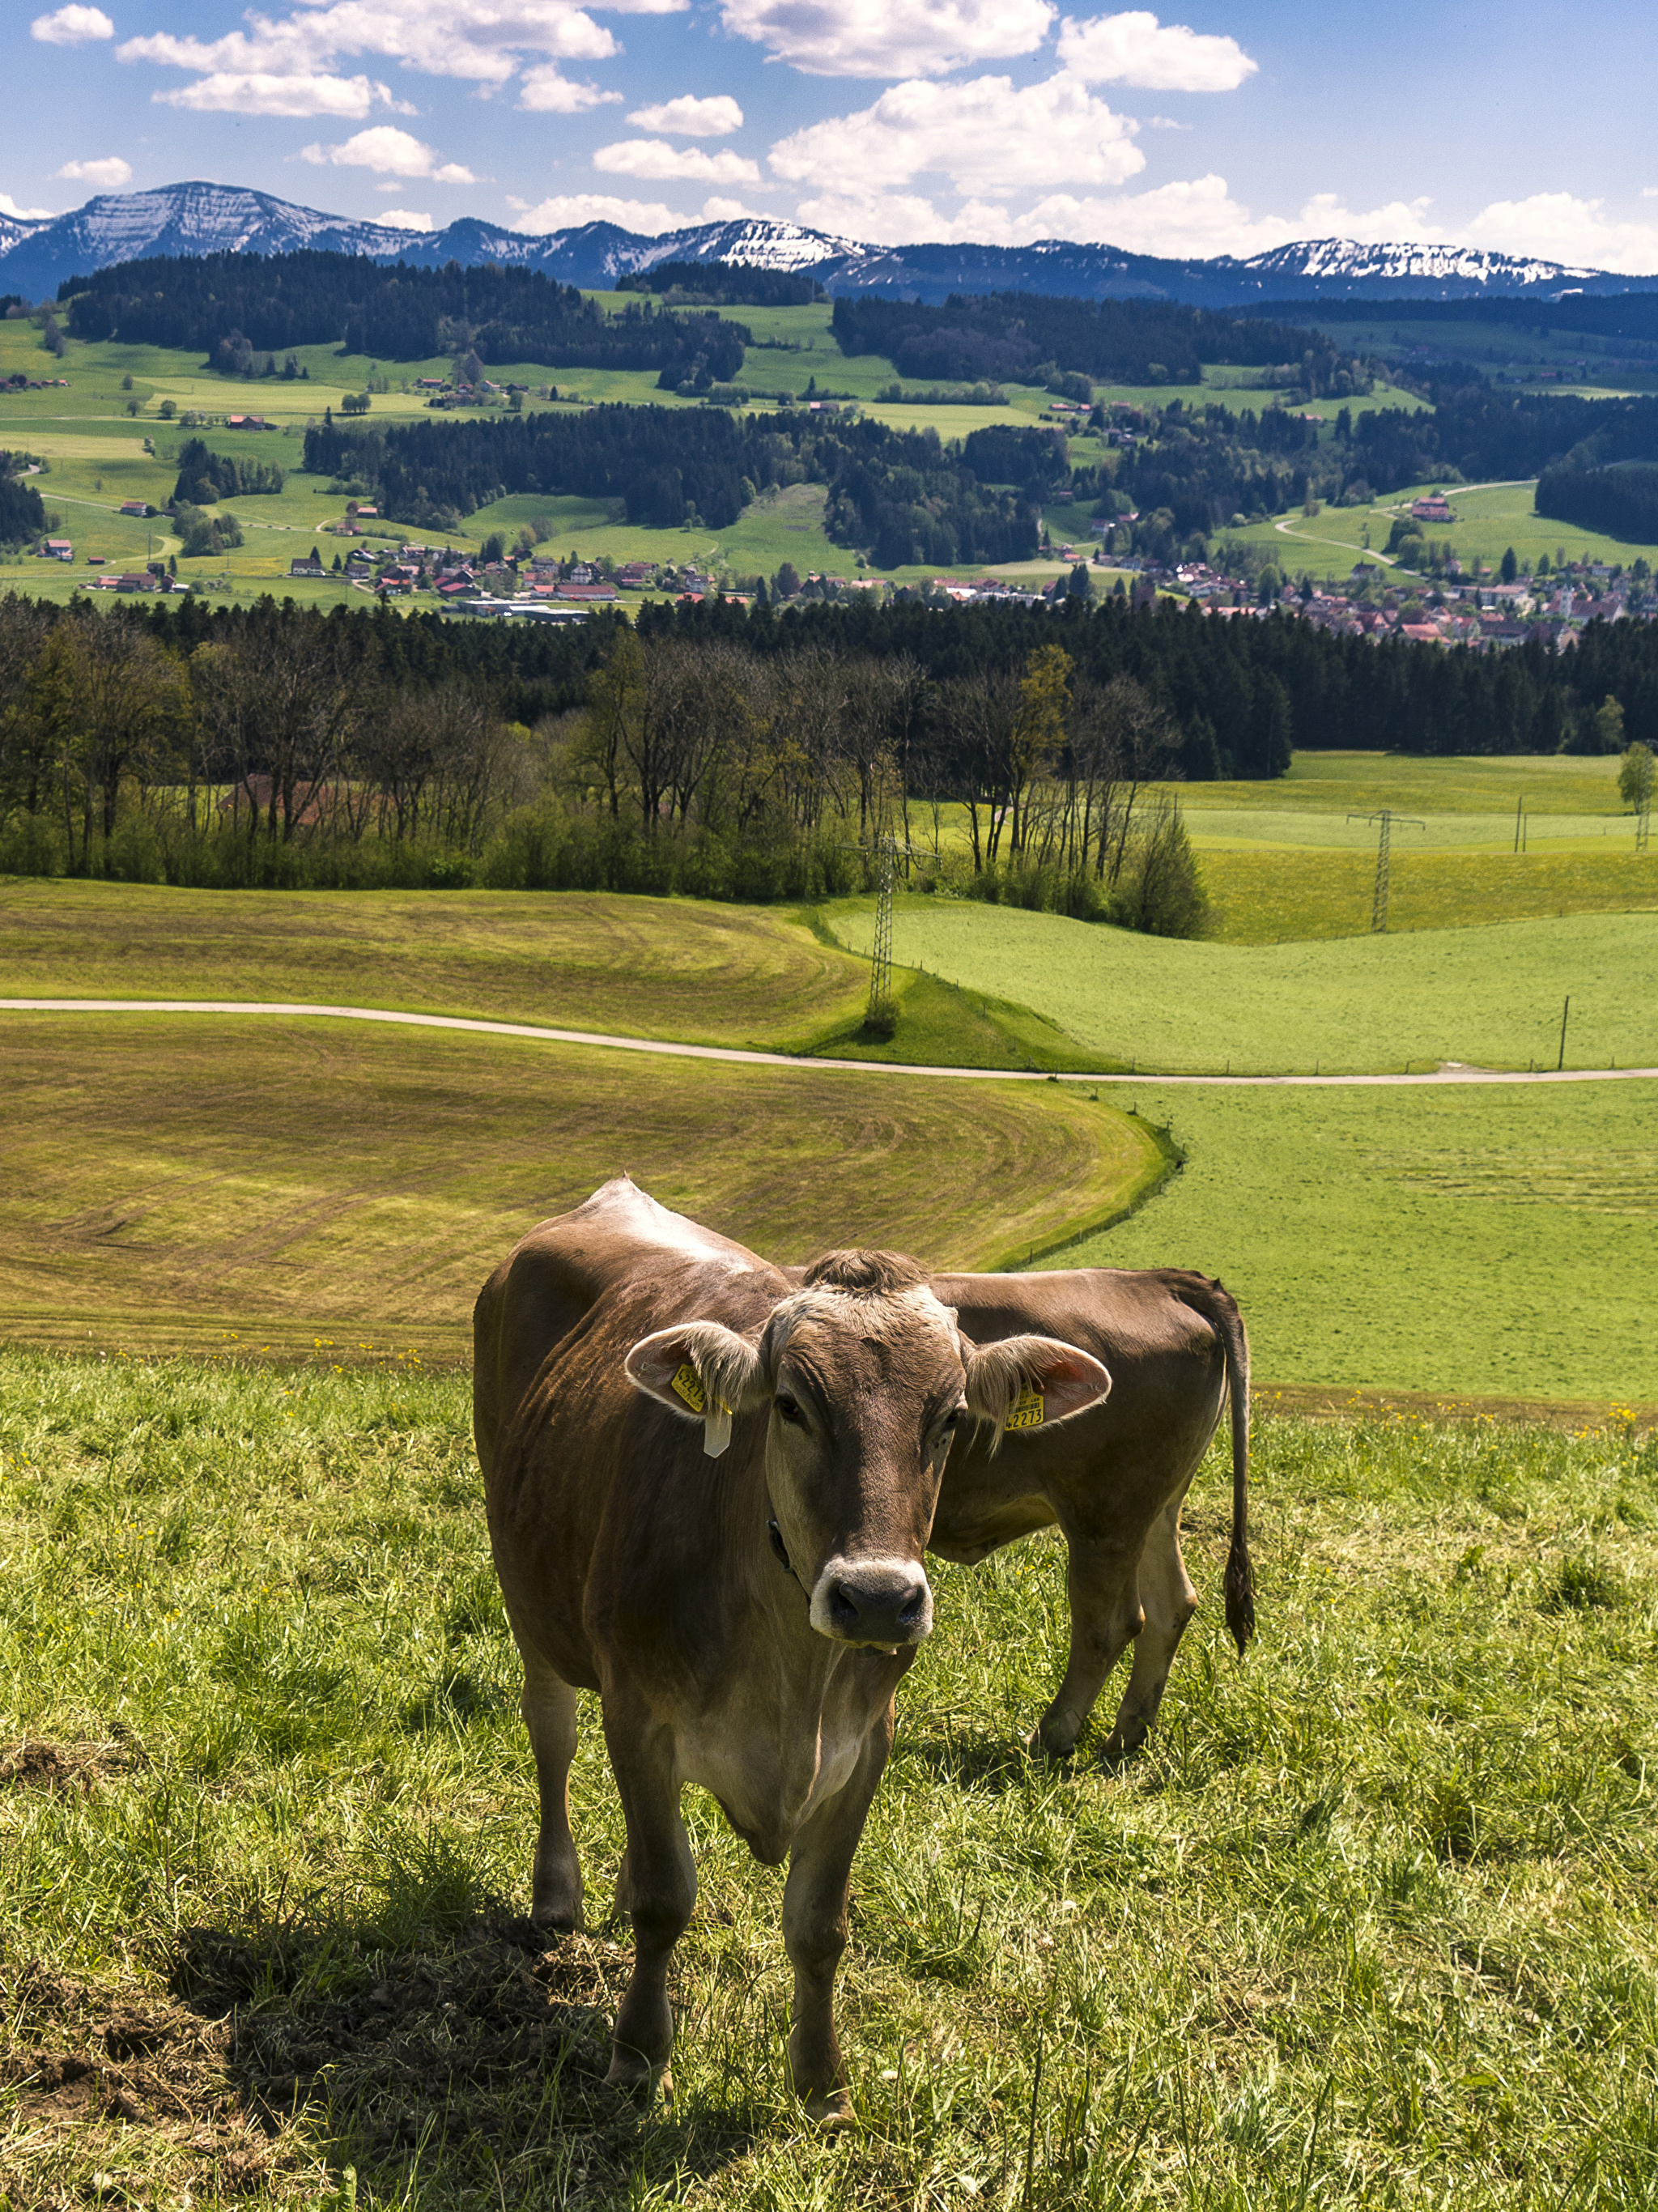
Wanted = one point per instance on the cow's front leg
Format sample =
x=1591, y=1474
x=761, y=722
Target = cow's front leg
x=1105, y=1616
x=814, y=1930
x=660, y=1894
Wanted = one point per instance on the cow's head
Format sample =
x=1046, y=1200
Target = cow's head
x=867, y=1377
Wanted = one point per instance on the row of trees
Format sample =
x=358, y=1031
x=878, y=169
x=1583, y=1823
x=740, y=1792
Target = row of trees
x=285, y=748
x=1024, y=338
x=233, y=307
x=1622, y=502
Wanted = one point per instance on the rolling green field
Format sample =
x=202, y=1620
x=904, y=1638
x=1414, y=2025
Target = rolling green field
x=1489, y=519
x=1369, y=1922
x=1471, y=1243
x=1489, y=996
x=197, y=1182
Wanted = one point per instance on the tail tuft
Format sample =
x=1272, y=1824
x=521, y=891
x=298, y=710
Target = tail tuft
x=1240, y=1596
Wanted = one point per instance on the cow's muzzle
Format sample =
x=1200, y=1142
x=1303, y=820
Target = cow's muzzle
x=887, y=1603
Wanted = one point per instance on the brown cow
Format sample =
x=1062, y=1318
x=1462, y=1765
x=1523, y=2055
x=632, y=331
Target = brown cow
x=709, y=1489
x=1114, y=1477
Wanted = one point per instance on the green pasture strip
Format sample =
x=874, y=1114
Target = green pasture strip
x=1336, y=782
x=1486, y=1241
x=199, y=1181
x=687, y=970
x=1276, y=897
x=1372, y=1911
x=1373, y=1004
x=1488, y=522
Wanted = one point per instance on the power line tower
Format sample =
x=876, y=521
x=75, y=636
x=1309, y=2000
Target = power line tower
x=880, y=964
x=1386, y=819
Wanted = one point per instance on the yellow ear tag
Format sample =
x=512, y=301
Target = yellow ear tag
x=1029, y=1410
x=688, y=1384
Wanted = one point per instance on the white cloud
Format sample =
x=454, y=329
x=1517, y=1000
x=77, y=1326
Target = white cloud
x=652, y=161
x=547, y=91
x=406, y=219
x=107, y=176
x=716, y=210
x=888, y=38
x=1559, y=227
x=688, y=117
x=255, y=92
x=485, y=42
x=72, y=27
x=570, y=210
x=8, y=206
x=984, y=135
x=1136, y=49
x=1400, y=223
x=392, y=153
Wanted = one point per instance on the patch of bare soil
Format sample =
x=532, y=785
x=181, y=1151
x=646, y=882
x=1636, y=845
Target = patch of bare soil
x=33, y=1763
x=251, y=2068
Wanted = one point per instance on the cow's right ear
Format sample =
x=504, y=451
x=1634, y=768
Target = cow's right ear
x=703, y=1372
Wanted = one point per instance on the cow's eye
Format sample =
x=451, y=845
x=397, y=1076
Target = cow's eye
x=788, y=1410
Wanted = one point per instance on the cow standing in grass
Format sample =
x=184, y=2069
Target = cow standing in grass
x=709, y=1490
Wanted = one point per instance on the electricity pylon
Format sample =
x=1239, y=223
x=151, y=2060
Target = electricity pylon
x=1386, y=816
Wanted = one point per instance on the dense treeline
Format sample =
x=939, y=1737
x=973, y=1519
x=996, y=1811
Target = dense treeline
x=1632, y=315
x=1621, y=502
x=206, y=477
x=233, y=307
x=709, y=749
x=1018, y=337
x=901, y=493
x=1482, y=433
x=725, y=284
x=22, y=516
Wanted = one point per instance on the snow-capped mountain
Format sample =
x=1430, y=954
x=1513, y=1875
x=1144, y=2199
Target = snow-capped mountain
x=35, y=257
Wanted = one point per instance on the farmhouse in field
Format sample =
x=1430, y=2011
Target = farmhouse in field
x=1435, y=507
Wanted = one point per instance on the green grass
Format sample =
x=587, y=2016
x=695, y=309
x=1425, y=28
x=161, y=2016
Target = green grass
x=1490, y=995
x=1279, y=896
x=201, y=1182
x=1370, y=1920
x=1334, y=783
x=1488, y=522
x=1478, y=1243
x=685, y=969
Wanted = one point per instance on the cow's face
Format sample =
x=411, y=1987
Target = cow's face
x=865, y=1377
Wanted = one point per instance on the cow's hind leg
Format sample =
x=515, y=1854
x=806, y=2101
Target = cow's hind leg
x=549, y=1706
x=1170, y=1601
x=1105, y=1616
x=657, y=1888
x=814, y=1930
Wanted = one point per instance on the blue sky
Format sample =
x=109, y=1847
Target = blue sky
x=1206, y=130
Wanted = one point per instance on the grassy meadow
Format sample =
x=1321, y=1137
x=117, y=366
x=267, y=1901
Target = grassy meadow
x=1489, y=519
x=1369, y=1924
x=1490, y=996
x=190, y=1181
x=1468, y=1242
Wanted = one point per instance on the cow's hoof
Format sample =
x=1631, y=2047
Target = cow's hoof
x=1057, y=1745
x=634, y=2074
x=832, y=2110
x=557, y=1920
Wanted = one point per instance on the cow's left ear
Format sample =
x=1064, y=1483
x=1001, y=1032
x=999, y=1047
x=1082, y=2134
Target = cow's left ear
x=1032, y=1382
x=703, y=1372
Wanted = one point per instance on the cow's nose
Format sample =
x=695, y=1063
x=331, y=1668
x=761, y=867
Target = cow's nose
x=887, y=1603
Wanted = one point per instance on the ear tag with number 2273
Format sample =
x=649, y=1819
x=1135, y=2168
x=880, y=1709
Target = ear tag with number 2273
x=688, y=1384
x=1028, y=1410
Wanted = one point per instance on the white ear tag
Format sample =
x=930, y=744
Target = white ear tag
x=716, y=1429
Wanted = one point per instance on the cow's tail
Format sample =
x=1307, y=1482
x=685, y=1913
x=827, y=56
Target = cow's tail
x=1220, y=1309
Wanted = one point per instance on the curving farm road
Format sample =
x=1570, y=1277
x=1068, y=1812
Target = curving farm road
x=1449, y=1072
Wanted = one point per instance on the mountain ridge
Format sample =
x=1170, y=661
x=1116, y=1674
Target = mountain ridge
x=37, y=255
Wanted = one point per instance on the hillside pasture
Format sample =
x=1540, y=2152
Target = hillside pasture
x=1490, y=996
x=1486, y=1242
x=685, y=969
x=267, y=1182
x=1287, y=893
x=1489, y=519
x=1372, y=1911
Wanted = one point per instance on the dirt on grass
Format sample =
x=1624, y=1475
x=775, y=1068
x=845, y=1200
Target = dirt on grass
x=270, y=2059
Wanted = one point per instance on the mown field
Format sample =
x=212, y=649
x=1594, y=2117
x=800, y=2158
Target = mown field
x=1480, y=1241
x=204, y=1182
x=1491, y=995
x=1369, y=1924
